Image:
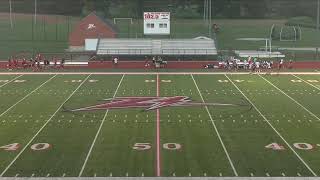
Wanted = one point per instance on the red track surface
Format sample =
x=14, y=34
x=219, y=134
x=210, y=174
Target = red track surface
x=170, y=65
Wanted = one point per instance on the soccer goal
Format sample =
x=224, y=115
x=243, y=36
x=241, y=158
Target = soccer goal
x=115, y=20
x=290, y=33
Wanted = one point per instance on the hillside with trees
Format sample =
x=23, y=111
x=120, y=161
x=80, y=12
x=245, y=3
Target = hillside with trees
x=178, y=8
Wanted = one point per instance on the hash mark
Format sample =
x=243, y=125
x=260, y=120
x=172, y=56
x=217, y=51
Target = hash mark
x=110, y=175
x=32, y=175
x=205, y=174
x=251, y=174
x=220, y=174
x=283, y=174
x=16, y=175
x=48, y=175
x=173, y=174
x=267, y=174
x=298, y=174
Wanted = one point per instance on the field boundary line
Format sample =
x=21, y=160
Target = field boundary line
x=153, y=73
x=305, y=81
x=39, y=131
x=216, y=129
x=98, y=132
x=11, y=80
x=26, y=96
x=158, y=131
x=311, y=113
x=274, y=129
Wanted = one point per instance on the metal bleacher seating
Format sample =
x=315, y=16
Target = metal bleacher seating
x=156, y=47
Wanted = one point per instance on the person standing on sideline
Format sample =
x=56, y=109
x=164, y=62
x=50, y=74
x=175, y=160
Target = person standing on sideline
x=115, y=61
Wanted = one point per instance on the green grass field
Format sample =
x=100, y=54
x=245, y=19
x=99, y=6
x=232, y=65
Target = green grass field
x=272, y=128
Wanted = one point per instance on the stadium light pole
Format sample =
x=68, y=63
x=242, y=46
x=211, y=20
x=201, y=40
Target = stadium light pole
x=318, y=14
x=210, y=17
x=10, y=6
x=35, y=11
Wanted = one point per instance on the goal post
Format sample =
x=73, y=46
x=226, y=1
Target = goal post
x=115, y=20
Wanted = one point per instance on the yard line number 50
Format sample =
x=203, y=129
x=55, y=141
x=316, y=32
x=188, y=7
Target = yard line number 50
x=147, y=146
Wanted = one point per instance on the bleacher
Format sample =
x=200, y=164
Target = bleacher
x=156, y=47
x=124, y=47
x=188, y=47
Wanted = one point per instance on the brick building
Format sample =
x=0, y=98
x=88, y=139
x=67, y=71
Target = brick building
x=90, y=28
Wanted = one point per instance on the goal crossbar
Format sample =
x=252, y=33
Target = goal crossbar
x=129, y=19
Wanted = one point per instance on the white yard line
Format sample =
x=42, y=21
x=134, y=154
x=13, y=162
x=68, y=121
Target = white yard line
x=291, y=98
x=27, y=145
x=27, y=95
x=274, y=129
x=216, y=129
x=98, y=132
x=10, y=81
x=306, y=81
x=152, y=73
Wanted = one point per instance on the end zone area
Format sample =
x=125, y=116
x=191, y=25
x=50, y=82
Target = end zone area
x=198, y=125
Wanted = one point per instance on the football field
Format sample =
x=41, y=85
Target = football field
x=165, y=124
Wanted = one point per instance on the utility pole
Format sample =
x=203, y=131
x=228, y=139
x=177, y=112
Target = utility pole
x=204, y=10
x=10, y=6
x=318, y=19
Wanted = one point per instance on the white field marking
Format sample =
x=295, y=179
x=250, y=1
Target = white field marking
x=32, y=175
x=283, y=174
x=152, y=73
x=98, y=132
x=48, y=175
x=16, y=175
x=291, y=98
x=267, y=174
x=274, y=129
x=39, y=131
x=158, y=132
x=306, y=81
x=27, y=95
x=216, y=129
x=64, y=174
x=299, y=174
x=10, y=81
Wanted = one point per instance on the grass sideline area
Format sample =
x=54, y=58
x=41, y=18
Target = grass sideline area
x=269, y=130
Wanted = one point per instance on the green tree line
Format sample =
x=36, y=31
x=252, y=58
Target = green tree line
x=178, y=8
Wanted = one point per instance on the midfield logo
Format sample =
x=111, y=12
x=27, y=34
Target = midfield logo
x=148, y=103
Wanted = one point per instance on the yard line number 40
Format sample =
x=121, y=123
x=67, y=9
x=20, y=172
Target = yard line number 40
x=34, y=147
x=300, y=146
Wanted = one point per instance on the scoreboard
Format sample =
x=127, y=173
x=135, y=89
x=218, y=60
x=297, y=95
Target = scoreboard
x=156, y=23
